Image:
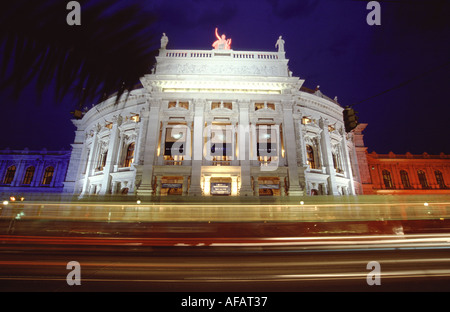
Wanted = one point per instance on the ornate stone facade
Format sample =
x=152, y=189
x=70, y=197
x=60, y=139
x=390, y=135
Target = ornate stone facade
x=216, y=122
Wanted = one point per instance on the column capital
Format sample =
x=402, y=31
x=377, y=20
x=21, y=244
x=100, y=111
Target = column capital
x=288, y=105
x=243, y=104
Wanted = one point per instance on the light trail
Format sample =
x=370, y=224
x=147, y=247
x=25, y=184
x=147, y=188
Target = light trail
x=225, y=212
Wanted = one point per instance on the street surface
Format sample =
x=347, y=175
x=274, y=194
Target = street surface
x=162, y=247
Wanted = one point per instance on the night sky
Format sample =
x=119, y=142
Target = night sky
x=396, y=73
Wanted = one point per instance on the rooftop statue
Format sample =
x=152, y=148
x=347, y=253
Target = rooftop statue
x=221, y=43
x=280, y=44
x=164, y=41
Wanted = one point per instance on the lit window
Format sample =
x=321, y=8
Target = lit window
x=29, y=173
x=172, y=104
x=135, y=118
x=184, y=105
x=337, y=163
x=405, y=179
x=176, y=160
x=221, y=144
x=306, y=120
x=9, y=176
x=271, y=106
x=101, y=162
x=227, y=105
x=267, y=143
x=259, y=106
x=310, y=157
x=422, y=179
x=440, y=179
x=130, y=155
x=387, y=179
x=48, y=176
x=175, y=144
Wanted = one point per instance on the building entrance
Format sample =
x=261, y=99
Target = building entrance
x=171, y=186
x=269, y=186
x=220, y=186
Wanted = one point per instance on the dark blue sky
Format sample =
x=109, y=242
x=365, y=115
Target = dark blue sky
x=328, y=43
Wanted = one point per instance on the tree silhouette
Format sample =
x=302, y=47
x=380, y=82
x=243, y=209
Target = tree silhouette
x=112, y=48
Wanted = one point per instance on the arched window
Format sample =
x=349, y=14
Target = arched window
x=405, y=179
x=310, y=157
x=387, y=179
x=440, y=179
x=29, y=173
x=101, y=162
x=423, y=179
x=9, y=176
x=48, y=175
x=129, y=159
x=337, y=164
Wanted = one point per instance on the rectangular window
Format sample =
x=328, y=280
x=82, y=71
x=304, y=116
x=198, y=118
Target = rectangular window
x=221, y=142
x=259, y=106
x=184, y=105
x=267, y=141
x=175, y=141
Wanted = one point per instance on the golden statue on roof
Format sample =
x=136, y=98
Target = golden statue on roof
x=222, y=43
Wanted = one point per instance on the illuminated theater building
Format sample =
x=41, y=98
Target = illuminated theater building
x=215, y=122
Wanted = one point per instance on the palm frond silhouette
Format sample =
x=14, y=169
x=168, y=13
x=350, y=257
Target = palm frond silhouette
x=112, y=48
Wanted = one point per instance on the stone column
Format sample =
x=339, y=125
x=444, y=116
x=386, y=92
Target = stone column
x=291, y=150
x=347, y=163
x=140, y=144
x=207, y=188
x=158, y=185
x=282, y=187
x=162, y=147
x=91, y=159
x=327, y=157
x=244, y=149
x=185, y=185
x=18, y=176
x=149, y=150
x=55, y=174
x=197, y=155
x=113, y=146
x=234, y=187
x=256, y=186
x=118, y=161
x=38, y=173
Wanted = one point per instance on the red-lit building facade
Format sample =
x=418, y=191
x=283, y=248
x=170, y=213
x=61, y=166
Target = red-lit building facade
x=400, y=173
